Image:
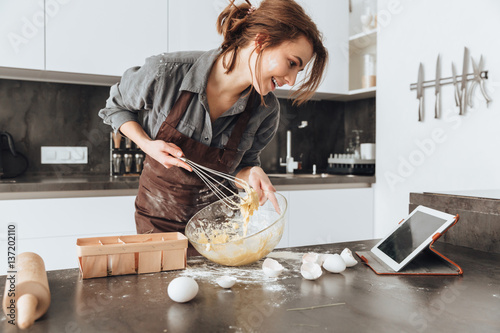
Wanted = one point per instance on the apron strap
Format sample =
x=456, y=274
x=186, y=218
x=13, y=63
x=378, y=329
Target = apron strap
x=241, y=124
x=179, y=108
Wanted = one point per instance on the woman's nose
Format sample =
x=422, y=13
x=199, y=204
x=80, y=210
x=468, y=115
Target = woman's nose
x=290, y=78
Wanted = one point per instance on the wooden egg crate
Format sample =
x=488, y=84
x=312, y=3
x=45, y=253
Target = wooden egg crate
x=132, y=254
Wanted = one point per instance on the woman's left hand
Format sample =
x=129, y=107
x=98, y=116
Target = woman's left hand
x=259, y=181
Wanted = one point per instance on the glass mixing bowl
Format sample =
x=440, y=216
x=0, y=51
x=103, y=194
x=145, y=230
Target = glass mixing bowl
x=217, y=232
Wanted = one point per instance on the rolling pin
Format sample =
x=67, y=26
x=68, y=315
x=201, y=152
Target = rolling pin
x=28, y=290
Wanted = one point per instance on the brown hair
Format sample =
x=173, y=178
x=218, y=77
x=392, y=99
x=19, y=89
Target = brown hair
x=279, y=21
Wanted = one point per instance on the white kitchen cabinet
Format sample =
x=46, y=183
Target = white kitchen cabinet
x=50, y=227
x=105, y=37
x=330, y=216
x=22, y=34
x=192, y=24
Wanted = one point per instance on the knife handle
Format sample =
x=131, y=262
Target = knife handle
x=463, y=102
x=436, y=106
x=420, y=108
x=457, y=96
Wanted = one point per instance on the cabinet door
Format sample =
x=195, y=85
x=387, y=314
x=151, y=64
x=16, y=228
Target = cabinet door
x=192, y=24
x=105, y=37
x=22, y=34
x=50, y=227
x=332, y=19
x=330, y=216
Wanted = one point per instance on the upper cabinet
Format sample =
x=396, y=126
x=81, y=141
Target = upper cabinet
x=22, y=34
x=94, y=41
x=192, y=24
x=104, y=37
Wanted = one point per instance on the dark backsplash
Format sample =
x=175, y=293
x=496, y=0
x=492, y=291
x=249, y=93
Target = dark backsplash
x=55, y=114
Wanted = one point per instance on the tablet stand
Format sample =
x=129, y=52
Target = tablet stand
x=427, y=262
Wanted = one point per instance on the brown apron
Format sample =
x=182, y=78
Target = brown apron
x=168, y=198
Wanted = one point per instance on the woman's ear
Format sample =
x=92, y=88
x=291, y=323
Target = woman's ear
x=260, y=40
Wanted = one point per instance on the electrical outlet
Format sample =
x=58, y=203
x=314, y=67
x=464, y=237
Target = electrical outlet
x=64, y=155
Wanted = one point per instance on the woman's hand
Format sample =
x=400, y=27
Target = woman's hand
x=259, y=181
x=166, y=153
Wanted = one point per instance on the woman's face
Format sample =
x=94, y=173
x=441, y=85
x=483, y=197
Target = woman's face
x=280, y=64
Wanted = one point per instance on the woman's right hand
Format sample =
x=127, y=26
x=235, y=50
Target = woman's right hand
x=166, y=153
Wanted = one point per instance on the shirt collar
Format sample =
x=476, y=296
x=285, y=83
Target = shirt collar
x=196, y=78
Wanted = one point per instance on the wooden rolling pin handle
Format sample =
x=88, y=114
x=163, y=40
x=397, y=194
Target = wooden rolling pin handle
x=26, y=308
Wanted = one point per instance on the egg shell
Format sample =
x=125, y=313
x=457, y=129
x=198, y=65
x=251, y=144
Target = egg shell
x=349, y=259
x=311, y=257
x=226, y=281
x=272, y=268
x=182, y=289
x=334, y=263
x=311, y=270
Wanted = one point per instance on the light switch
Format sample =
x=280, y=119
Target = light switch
x=64, y=155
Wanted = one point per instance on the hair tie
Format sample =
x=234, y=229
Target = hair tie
x=251, y=10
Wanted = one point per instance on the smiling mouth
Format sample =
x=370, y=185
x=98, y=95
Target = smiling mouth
x=275, y=83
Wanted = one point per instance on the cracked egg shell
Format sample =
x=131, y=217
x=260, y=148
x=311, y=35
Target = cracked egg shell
x=349, y=259
x=226, y=281
x=272, y=268
x=334, y=263
x=311, y=257
x=311, y=271
x=182, y=289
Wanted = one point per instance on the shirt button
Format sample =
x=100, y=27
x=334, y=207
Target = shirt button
x=205, y=138
x=240, y=107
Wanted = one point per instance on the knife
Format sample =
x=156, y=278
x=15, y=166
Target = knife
x=438, y=88
x=463, y=101
x=455, y=84
x=420, y=91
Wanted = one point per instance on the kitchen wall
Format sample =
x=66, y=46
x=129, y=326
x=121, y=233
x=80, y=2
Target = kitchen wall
x=328, y=131
x=446, y=154
x=54, y=114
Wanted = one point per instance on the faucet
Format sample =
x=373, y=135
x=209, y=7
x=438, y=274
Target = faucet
x=290, y=164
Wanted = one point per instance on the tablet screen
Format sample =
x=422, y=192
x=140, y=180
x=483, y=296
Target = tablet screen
x=409, y=236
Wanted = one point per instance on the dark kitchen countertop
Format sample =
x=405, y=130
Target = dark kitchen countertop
x=368, y=302
x=104, y=185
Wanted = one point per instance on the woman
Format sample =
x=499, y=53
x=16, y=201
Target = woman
x=216, y=108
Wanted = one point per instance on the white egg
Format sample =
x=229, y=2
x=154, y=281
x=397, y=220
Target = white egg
x=311, y=270
x=272, y=268
x=348, y=258
x=334, y=263
x=226, y=281
x=182, y=289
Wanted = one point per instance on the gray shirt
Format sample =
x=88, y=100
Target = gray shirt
x=146, y=94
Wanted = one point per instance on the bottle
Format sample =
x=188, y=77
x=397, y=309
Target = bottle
x=369, y=78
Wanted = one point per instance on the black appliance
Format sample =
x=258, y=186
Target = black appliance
x=12, y=162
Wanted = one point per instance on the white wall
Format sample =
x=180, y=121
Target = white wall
x=451, y=153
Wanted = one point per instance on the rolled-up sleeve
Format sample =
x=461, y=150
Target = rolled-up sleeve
x=134, y=93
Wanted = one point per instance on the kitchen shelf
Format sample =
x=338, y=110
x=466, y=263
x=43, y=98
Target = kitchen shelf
x=369, y=34
x=351, y=95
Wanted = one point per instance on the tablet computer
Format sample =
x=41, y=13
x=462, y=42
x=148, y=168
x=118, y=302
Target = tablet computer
x=411, y=236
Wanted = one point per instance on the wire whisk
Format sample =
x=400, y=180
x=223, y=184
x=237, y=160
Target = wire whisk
x=207, y=176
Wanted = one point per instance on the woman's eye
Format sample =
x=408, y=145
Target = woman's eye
x=292, y=63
